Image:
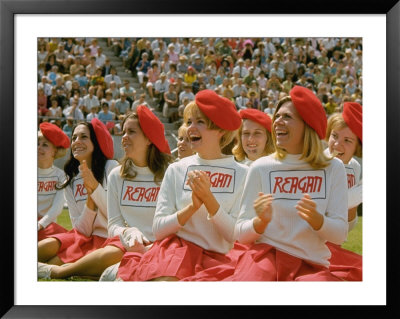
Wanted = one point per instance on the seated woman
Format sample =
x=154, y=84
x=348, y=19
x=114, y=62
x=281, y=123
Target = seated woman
x=294, y=200
x=255, y=138
x=344, y=137
x=85, y=188
x=134, y=185
x=52, y=144
x=198, y=200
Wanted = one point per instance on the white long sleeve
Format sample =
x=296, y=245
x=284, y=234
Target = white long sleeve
x=132, y=203
x=354, y=185
x=215, y=233
x=288, y=180
x=87, y=221
x=50, y=200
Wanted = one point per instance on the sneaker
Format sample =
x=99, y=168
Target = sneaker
x=44, y=270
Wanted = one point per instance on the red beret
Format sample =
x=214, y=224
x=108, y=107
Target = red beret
x=103, y=138
x=310, y=109
x=153, y=128
x=221, y=111
x=257, y=116
x=54, y=134
x=352, y=115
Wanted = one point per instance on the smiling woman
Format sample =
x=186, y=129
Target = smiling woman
x=294, y=201
x=84, y=188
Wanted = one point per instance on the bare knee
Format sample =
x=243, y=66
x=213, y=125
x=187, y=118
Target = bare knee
x=48, y=248
x=110, y=254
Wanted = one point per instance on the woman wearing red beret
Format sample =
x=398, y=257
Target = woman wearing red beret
x=134, y=187
x=344, y=137
x=293, y=201
x=199, y=197
x=85, y=191
x=255, y=138
x=52, y=144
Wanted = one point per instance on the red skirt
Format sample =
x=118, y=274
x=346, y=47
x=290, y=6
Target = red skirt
x=172, y=257
x=51, y=229
x=345, y=263
x=75, y=245
x=263, y=262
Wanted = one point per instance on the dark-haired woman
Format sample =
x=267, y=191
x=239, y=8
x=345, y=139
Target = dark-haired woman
x=85, y=191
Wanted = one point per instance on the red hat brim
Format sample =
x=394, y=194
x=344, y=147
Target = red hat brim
x=153, y=128
x=258, y=117
x=220, y=110
x=310, y=109
x=54, y=134
x=103, y=138
x=352, y=115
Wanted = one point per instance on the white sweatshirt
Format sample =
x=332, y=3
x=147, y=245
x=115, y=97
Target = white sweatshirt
x=288, y=180
x=87, y=221
x=50, y=200
x=132, y=203
x=354, y=185
x=214, y=233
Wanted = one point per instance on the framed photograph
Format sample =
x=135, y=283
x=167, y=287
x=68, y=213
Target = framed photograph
x=23, y=22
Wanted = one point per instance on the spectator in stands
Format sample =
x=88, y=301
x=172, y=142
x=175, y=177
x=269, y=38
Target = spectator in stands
x=90, y=100
x=42, y=102
x=92, y=114
x=182, y=64
x=100, y=58
x=250, y=77
x=109, y=100
x=170, y=108
x=82, y=78
x=153, y=74
x=45, y=86
x=106, y=68
x=129, y=91
x=114, y=90
x=172, y=73
x=98, y=80
x=140, y=101
x=160, y=87
x=142, y=67
x=122, y=105
x=74, y=111
x=105, y=115
x=190, y=75
x=242, y=100
x=67, y=128
x=133, y=58
x=254, y=102
x=112, y=76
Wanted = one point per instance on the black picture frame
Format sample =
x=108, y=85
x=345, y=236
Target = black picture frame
x=10, y=8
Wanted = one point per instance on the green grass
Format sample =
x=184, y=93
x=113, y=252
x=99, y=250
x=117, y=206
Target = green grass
x=63, y=219
x=353, y=243
x=354, y=239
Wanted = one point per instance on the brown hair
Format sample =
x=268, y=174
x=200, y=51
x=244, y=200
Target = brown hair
x=157, y=161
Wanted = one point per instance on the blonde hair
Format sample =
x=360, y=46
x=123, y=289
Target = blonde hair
x=60, y=151
x=157, y=161
x=313, y=150
x=192, y=110
x=182, y=130
x=238, y=149
x=336, y=122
